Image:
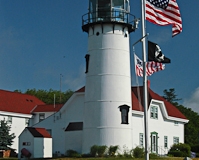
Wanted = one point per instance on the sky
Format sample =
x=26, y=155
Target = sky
x=42, y=46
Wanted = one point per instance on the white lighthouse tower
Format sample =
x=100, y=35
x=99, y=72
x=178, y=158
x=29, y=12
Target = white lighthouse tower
x=107, y=110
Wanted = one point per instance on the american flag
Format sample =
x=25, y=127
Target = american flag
x=151, y=67
x=164, y=12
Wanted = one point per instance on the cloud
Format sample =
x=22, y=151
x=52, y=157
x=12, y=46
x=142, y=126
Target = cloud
x=193, y=101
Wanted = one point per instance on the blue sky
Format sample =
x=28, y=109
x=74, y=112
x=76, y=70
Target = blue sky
x=41, y=39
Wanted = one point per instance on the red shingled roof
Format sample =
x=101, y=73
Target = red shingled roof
x=17, y=102
x=81, y=89
x=137, y=93
x=39, y=132
x=171, y=109
x=47, y=108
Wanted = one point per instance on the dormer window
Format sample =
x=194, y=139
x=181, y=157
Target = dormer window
x=154, y=112
x=124, y=109
x=41, y=117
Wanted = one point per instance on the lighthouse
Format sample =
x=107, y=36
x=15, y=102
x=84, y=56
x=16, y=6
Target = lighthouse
x=108, y=106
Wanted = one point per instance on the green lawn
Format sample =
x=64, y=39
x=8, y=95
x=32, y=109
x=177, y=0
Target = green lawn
x=122, y=159
x=167, y=158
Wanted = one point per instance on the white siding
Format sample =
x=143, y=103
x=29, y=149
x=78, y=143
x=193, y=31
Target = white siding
x=47, y=148
x=163, y=126
x=72, y=111
x=17, y=126
x=26, y=136
x=35, y=119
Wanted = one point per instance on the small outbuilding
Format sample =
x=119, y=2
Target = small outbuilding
x=35, y=143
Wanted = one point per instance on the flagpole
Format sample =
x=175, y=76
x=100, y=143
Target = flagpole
x=145, y=98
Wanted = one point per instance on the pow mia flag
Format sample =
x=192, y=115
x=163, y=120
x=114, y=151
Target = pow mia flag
x=155, y=54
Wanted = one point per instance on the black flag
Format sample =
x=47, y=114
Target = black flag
x=155, y=53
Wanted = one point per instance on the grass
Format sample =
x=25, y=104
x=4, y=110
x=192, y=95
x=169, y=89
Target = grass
x=168, y=158
x=110, y=158
x=119, y=158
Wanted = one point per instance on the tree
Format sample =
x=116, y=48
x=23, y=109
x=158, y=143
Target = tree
x=6, y=139
x=192, y=127
x=170, y=96
x=48, y=96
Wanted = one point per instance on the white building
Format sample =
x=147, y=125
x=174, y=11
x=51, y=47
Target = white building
x=166, y=124
x=107, y=111
x=22, y=110
x=36, y=142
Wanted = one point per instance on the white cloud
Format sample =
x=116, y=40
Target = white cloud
x=193, y=101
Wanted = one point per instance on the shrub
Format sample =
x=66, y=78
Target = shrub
x=72, y=153
x=112, y=150
x=153, y=156
x=195, y=148
x=185, y=150
x=93, y=150
x=138, y=152
x=176, y=153
x=97, y=150
x=126, y=152
x=101, y=150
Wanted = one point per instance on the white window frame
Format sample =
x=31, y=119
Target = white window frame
x=9, y=120
x=27, y=121
x=154, y=112
x=41, y=116
x=175, y=140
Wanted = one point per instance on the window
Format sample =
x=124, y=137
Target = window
x=154, y=112
x=124, y=109
x=9, y=120
x=141, y=140
x=26, y=143
x=27, y=121
x=41, y=117
x=165, y=141
x=175, y=140
x=87, y=57
x=176, y=123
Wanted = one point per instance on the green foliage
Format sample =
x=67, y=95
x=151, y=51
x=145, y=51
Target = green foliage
x=195, y=148
x=93, y=150
x=48, y=96
x=175, y=153
x=170, y=96
x=180, y=150
x=192, y=127
x=97, y=150
x=138, y=152
x=154, y=156
x=112, y=150
x=101, y=150
x=6, y=139
x=72, y=153
x=127, y=152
